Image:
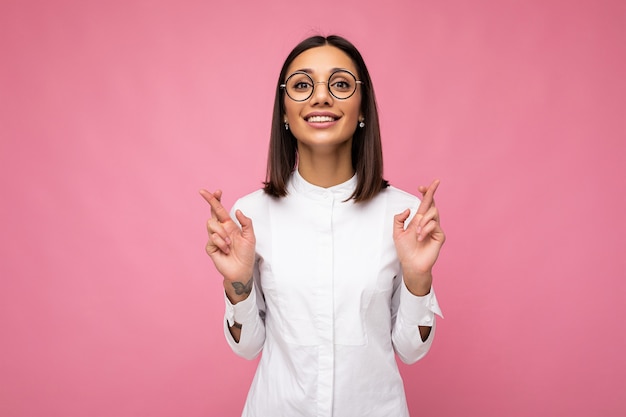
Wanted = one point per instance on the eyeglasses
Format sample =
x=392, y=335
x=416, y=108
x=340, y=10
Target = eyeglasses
x=341, y=84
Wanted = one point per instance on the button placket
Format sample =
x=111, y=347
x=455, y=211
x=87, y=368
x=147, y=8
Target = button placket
x=325, y=321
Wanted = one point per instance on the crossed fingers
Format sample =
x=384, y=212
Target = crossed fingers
x=427, y=215
x=219, y=224
x=217, y=210
x=428, y=194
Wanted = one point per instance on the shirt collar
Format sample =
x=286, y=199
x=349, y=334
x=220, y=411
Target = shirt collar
x=340, y=191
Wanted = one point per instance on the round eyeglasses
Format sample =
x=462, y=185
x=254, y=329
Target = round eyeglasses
x=341, y=84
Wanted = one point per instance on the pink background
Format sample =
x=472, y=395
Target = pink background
x=114, y=113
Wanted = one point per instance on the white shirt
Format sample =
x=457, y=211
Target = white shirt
x=329, y=305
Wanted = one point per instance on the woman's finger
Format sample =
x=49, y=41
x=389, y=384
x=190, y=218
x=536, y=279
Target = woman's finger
x=217, y=210
x=430, y=215
x=428, y=199
x=427, y=229
x=218, y=196
x=217, y=241
x=215, y=227
x=420, y=220
x=247, y=229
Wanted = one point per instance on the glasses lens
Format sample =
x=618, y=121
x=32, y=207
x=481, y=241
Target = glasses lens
x=299, y=86
x=342, y=84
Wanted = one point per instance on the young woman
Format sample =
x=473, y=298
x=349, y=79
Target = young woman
x=328, y=269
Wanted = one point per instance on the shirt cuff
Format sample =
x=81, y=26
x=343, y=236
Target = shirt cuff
x=243, y=311
x=418, y=311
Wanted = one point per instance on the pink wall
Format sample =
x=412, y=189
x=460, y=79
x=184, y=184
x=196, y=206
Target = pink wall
x=113, y=114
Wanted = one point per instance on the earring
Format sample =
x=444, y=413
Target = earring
x=286, y=125
x=361, y=124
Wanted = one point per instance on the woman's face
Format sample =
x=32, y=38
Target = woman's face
x=323, y=120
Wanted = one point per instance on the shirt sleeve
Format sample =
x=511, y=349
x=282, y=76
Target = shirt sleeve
x=249, y=313
x=409, y=312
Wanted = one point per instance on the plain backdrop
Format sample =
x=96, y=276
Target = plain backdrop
x=113, y=114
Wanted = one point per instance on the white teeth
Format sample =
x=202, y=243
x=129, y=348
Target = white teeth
x=320, y=119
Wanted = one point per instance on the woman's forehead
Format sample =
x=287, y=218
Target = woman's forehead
x=322, y=60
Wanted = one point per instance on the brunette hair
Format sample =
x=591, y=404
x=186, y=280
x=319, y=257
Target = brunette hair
x=367, y=156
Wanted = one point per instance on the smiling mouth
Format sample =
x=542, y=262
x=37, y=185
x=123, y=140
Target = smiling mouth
x=321, y=119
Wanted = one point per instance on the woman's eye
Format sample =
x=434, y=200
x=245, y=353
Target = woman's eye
x=341, y=85
x=302, y=85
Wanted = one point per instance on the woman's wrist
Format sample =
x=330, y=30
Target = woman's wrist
x=238, y=290
x=418, y=284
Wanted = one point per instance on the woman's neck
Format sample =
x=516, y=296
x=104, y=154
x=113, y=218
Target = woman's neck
x=325, y=169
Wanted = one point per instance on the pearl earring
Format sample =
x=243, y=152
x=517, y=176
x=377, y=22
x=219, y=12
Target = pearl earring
x=361, y=124
x=286, y=125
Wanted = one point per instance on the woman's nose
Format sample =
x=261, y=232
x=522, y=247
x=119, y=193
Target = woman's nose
x=321, y=93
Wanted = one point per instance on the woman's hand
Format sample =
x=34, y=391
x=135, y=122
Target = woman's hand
x=231, y=249
x=419, y=244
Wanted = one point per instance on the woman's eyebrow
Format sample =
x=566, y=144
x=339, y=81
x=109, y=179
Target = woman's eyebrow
x=311, y=71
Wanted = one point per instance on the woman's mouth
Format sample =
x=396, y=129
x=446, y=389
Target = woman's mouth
x=320, y=119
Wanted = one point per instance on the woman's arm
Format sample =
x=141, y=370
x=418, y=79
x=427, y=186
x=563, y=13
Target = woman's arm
x=418, y=246
x=232, y=250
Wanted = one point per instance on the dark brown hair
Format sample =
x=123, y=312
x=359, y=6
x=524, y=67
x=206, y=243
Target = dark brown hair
x=367, y=156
